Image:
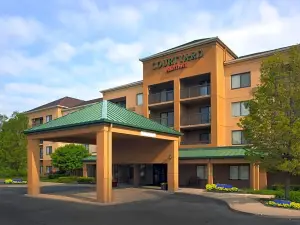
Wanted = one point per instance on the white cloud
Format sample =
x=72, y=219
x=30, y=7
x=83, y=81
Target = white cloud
x=19, y=30
x=111, y=40
x=15, y=63
x=63, y=52
x=94, y=17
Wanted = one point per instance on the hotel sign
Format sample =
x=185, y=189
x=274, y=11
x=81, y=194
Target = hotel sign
x=177, y=62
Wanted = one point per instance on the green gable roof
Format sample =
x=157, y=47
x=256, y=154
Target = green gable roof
x=201, y=153
x=100, y=113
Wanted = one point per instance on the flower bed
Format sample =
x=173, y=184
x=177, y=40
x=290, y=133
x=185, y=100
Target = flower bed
x=15, y=181
x=283, y=204
x=221, y=188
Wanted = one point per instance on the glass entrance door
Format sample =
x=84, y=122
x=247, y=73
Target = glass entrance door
x=159, y=174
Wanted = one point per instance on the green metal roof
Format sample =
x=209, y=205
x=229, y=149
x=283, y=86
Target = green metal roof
x=201, y=153
x=100, y=113
x=207, y=153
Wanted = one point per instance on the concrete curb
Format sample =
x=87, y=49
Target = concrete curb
x=233, y=209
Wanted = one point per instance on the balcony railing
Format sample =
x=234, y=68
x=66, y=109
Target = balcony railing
x=195, y=119
x=195, y=91
x=163, y=96
x=192, y=142
x=169, y=121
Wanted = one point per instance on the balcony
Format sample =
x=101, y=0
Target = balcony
x=167, y=121
x=160, y=97
x=195, y=91
x=195, y=119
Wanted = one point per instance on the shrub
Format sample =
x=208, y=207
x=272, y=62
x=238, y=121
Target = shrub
x=67, y=179
x=86, y=180
x=281, y=187
x=7, y=172
x=55, y=176
x=295, y=196
x=264, y=192
x=221, y=188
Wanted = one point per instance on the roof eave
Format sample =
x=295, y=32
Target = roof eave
x=214, y=39
x=78, y=107
x=257, y=56
x=101, y=121
x=136, y=83
x=50, y=107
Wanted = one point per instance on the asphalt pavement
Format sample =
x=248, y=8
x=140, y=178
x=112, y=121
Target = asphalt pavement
x=176, y=209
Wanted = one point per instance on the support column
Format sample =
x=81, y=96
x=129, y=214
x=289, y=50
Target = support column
x=173, y=166
x=33, y=167
x=136, y=175
x=145, y=100
x=252, y=176
x=257, y=177
x=177, y=104
x=210, y=178
x=104, y=165
x=84, y=170
x=263, y=179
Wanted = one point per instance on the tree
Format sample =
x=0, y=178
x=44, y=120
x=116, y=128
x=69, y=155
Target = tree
x=69, y=157
x=272, y=127
x=13, y=142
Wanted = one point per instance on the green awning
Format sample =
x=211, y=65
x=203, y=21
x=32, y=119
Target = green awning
x=104, y=112
x=202, y=153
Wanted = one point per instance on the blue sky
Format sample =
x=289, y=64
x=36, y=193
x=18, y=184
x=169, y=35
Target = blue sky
x=52, y=49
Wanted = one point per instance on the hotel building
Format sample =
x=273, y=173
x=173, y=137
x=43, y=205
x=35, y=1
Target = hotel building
x=198, y=88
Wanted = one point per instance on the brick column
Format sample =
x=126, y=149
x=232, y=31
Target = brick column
x=173, y=166
x=33, y=167
x=104, y=165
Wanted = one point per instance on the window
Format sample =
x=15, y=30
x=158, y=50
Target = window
x=139, y=99
x=241, y=80
x=239, y=172
x=48, y=118
x=204, y=138
x=167, y=119
x=48, y=150
x=202, y=172
x=41, y=169
x=41, y=142
x=48, y=169
x=121, y=103
x=41, y=152
x=37, y=121
x=238, y=137
x=239, y=109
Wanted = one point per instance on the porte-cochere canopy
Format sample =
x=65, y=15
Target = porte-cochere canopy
x=121, y=137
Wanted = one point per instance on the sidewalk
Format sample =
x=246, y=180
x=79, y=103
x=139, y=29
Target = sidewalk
x=246, y=203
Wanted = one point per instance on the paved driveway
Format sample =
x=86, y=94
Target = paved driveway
x=181, y=209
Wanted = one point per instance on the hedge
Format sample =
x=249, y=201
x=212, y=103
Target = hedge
x=86, y=180
x=281, y=187
x=67, y=179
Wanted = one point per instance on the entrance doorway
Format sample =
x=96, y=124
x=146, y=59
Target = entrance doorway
x=159, y=174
